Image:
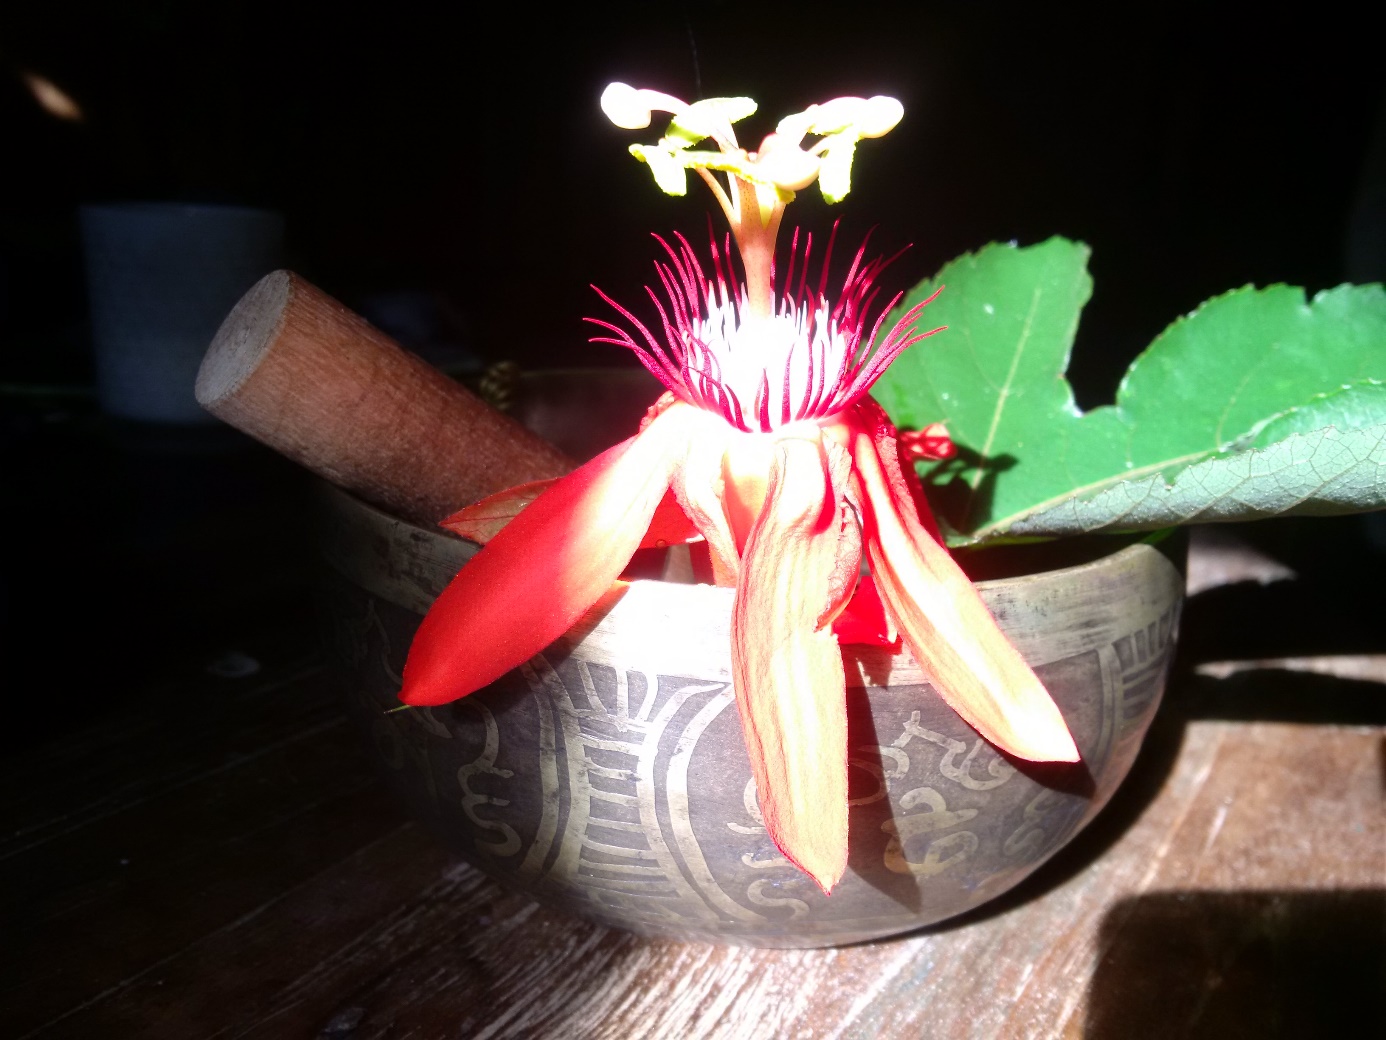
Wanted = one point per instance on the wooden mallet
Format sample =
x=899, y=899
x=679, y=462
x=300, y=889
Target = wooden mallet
x=295, y=369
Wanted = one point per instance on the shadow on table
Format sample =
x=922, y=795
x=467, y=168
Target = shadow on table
x=1228, y=965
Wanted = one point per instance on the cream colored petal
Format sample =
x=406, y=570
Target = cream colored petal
x=698, y=484
x=787, y=670
x=968, y=658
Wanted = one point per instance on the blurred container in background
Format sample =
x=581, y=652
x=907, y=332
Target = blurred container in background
x=161, y=277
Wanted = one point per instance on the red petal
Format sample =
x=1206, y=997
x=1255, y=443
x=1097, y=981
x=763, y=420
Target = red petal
x=482, y=521
x=930, y=443
x=904, y=481
x=539, y=575
x=787, y=672
x=865, y=621
x=968, y=658
x=669, y=525
x=846, y=574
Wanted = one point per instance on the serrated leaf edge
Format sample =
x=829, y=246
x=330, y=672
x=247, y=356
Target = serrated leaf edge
x=1006, y=527
x=1243, y=442
x=1089, y=491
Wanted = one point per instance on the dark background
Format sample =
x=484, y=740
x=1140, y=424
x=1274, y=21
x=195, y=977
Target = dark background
x=458, y=153
x=1196, y=147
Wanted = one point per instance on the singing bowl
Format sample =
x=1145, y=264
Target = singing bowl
x=607, y=776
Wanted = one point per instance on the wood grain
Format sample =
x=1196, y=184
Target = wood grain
x=219, y=862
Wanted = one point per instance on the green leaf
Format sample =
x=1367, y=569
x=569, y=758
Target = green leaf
x=1352, y=407
x=1258, y=403
x=1319, y=473
x=995, y=377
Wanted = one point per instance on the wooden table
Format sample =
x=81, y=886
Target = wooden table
x=216, y=859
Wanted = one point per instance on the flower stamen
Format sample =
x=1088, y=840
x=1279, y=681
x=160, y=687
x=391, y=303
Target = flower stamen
x=806, y=359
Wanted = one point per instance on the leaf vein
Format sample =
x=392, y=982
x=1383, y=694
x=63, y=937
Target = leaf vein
x=1094, y=488
x=1003, y=392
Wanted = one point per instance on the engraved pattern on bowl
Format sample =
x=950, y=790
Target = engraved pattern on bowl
x=607, y=777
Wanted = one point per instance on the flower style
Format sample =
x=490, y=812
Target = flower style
x=768, y=448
